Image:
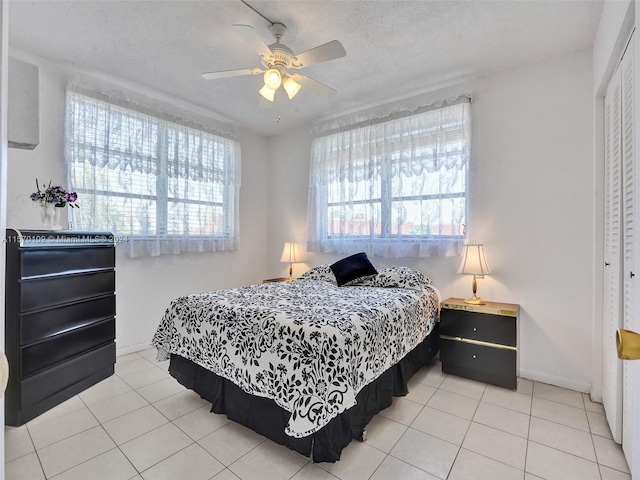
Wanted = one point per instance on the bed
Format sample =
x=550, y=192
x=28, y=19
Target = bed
x=306, y=363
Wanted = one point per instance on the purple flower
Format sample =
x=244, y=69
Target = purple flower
x=55, y=195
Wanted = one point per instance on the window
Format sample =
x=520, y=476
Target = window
x=158, y=182
x=394, y=186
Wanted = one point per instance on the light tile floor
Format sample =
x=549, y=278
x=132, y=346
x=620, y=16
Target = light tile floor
x=141, y=424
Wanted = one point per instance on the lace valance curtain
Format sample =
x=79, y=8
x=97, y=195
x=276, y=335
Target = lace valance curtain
x=393, y=186
x=160, y=183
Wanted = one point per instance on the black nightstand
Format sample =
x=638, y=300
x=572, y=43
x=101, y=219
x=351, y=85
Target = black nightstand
x=480, y=341
x=276, y=280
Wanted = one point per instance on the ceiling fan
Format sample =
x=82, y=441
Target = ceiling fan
x=278, y=60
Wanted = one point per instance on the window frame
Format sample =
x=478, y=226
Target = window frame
x=390, y=229
x=218, y=167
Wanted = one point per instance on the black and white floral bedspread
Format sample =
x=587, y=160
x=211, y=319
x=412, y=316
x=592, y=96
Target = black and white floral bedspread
x=307, y=344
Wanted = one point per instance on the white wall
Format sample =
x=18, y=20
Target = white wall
x=144, y=286
x=530, y=204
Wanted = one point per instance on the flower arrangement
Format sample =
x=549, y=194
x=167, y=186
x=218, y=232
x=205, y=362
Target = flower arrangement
x=55, y=195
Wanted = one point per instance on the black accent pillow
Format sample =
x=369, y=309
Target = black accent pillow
x=352, y=267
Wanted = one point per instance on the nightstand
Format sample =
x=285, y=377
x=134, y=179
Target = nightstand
x=278, y=279
x=480, y=341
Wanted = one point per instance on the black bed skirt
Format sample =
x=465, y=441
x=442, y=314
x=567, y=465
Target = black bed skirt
x=265, y=417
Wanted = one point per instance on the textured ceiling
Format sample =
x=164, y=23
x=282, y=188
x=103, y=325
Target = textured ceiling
x=394, y=48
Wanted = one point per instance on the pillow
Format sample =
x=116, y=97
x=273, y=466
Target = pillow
x=352, y=267
x=321, y=272
x=402, y=277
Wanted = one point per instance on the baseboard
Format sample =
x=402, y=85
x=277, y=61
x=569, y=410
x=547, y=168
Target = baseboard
x=131, y=349
x=584, y=387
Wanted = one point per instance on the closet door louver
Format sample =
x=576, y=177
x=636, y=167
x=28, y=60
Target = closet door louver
x=628, y=239
x=612, y=371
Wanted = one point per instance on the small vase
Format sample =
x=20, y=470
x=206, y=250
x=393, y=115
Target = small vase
x=47, y=214
x=56, y=218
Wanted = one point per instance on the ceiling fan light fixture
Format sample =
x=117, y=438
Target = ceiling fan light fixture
x=276, y=61
x=291, y=87
x=272, y=78
x=267, y=93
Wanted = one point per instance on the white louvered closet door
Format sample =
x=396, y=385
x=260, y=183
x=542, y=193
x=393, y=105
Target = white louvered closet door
x=628, y=238
x=612, y=369
x=620, y=220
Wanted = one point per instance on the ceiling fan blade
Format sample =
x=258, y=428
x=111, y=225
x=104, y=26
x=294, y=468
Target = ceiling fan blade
x=252, y=38
x=231, y=73
x=317, y=88
x=323, y=53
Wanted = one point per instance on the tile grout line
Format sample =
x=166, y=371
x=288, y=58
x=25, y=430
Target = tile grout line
x=298, y=471
x=173, y=454
x=107, y=433
x=35, y=450
x=568, y=453
x=388, y=454
x=493, y=428
x=240, y=457
x=526, y=452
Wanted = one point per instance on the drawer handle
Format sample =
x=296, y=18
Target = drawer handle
x=474, y=356
x=475, y=329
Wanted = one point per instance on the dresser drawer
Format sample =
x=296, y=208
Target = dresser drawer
x=45, y=323
x=56, y=379
x=46, y=292
x=45, y=353
x=50, y=261
x=484, y=327
x=479, y=362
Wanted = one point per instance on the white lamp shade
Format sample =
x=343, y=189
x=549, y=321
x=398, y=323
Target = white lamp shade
x=272, y=78
x=291, y=87
x=267, y=93
x=290, y=253
x=473, y=261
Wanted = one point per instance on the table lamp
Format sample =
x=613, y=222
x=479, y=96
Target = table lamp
x=474, y=263
x=290, y=255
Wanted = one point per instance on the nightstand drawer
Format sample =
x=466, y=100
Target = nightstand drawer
x=483, y=363
x=485, y=327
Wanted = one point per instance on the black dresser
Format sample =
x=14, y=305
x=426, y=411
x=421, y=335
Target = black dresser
x=59, y=317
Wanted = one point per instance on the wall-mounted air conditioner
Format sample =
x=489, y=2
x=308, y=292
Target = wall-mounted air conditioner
x=23, y=105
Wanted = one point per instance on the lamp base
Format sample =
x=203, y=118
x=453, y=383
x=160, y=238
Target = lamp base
x=474, y=301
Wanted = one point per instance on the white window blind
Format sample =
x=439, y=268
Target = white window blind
x=159, y=183
x=394, y=186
